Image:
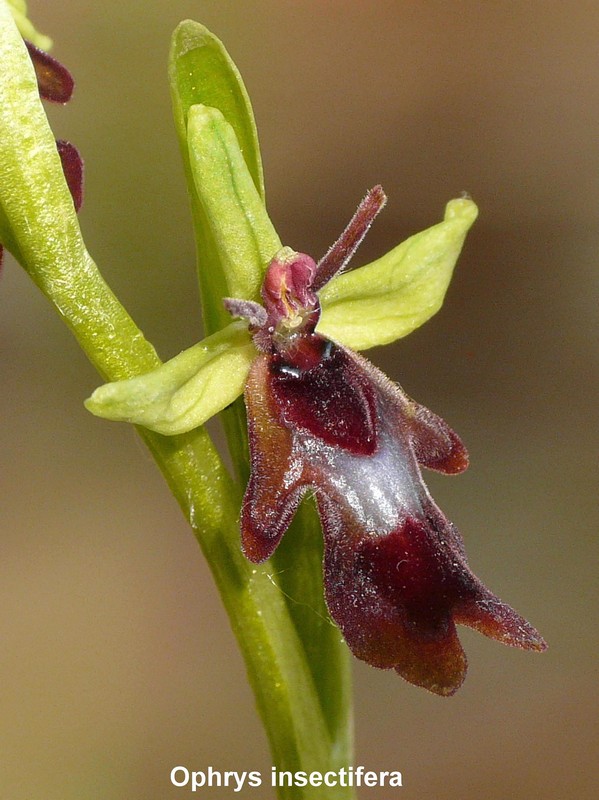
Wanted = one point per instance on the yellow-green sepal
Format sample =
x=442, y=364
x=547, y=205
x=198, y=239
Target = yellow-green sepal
x=184, y=392
x=389, y=298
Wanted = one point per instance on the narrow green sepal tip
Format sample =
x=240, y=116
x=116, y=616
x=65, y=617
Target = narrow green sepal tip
x=463, y=209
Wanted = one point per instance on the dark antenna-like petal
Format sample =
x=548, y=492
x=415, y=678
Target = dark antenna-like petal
x=339, y=255
x=246, y=309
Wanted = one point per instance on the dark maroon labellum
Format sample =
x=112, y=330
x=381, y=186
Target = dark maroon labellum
x=320, y=391
x=322, y=418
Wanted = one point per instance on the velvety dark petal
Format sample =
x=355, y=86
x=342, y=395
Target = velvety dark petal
x=277, y=480
x=391, y=596
x=490, y=616
x=339, y=255
x=72, y=166
x=436, y=446
x=1, y=258
x=331, y=399
x=54, y=81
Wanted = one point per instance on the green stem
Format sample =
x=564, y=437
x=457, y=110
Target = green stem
x=37, y=210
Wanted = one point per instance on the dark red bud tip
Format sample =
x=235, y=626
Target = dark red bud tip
x=54, y=81
x=287, y=289
x=339, y=255
x=72, y=166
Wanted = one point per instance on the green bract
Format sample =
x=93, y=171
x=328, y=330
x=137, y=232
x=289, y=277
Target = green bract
x=201, y=72
x=370, y=306
x=25, y=26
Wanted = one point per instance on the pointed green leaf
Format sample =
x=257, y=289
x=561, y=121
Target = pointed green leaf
x=184, y=392
x=40, y=224
x=390, y=297
x=241, y=229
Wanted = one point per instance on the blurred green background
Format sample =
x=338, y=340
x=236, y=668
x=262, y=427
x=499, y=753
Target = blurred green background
x=116, y=661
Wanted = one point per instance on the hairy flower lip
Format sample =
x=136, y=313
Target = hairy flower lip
x=395, y=570
x=322, y=418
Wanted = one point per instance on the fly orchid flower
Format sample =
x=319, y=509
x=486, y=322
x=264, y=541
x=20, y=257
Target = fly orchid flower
x=323, y=419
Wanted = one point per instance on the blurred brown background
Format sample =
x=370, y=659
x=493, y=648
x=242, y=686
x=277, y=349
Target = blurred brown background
x=116, y=660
